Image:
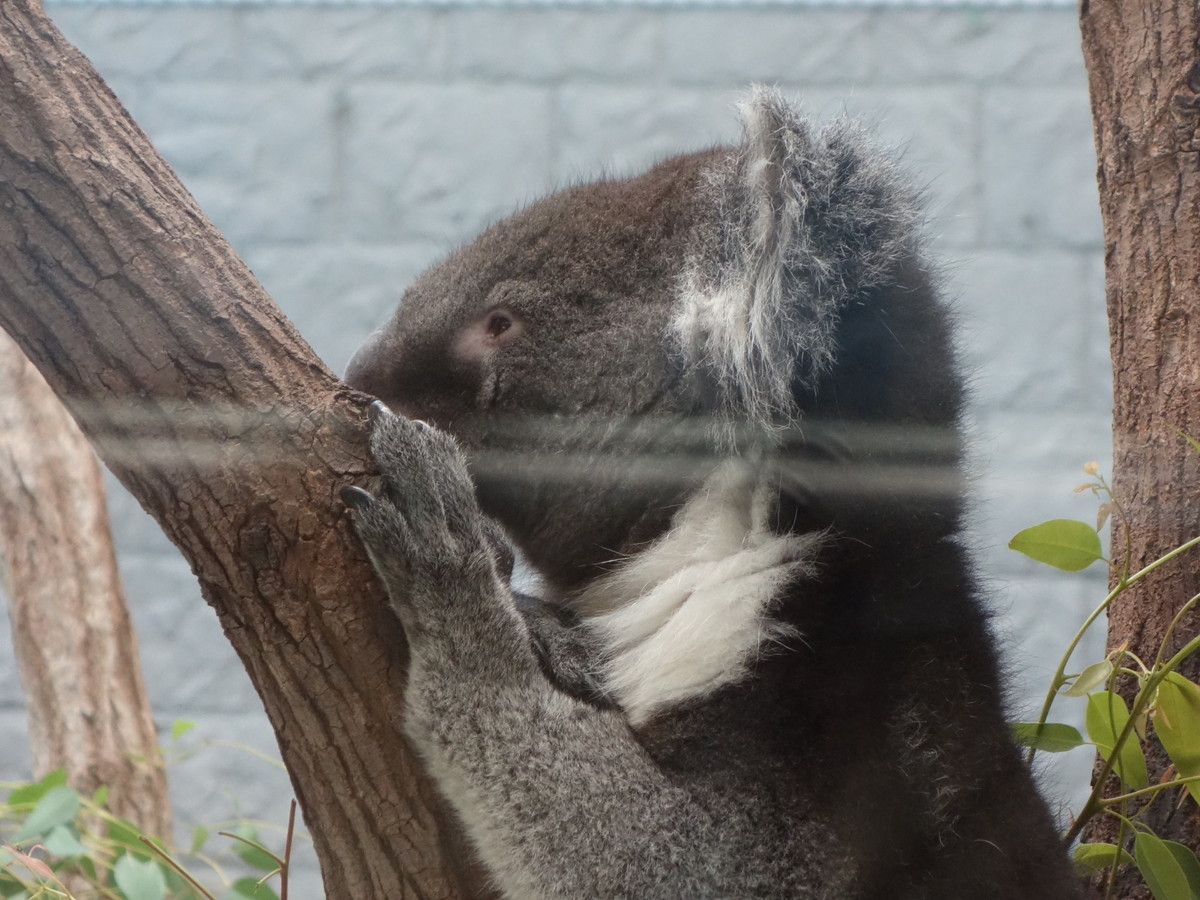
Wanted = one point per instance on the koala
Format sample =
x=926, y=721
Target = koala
x=716, y=408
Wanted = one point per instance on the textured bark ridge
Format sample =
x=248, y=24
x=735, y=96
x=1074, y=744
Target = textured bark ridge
x=72, y=636
x=205, y=402
x=1144, y=71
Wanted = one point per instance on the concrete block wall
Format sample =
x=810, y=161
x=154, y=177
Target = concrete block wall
x=342, y=150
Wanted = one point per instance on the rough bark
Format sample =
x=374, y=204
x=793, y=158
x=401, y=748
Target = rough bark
x=1144, y=73
x=74, y=643
x=204, y=401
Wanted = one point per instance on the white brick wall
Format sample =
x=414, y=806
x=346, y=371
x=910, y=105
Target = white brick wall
x=343, y=149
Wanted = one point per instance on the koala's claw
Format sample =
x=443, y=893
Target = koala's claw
x=356, y=498
x=421, y=525
x=426, y=502
x=378, y=410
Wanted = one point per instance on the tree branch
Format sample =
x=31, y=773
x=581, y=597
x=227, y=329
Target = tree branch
x=205, y=402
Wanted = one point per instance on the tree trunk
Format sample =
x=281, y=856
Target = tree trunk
x=74, y=644
x=203, y=400
x=1144, y=75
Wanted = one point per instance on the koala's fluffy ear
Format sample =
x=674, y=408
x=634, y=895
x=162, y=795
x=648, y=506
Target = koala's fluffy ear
x=800, y=223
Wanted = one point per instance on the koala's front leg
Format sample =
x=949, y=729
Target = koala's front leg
x=535, y=773
x=434, y=551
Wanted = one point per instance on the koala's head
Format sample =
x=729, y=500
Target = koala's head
x=560, y=310
x=595, y=351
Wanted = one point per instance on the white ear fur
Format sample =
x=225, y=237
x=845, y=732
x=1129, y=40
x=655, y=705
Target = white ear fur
x=802, y=221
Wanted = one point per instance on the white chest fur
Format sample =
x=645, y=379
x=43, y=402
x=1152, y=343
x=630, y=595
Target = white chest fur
x=692, y=612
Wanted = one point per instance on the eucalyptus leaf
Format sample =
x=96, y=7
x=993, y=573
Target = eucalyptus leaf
x=1105, y=720
x=126, y=835
x=1052, y=737
x=1187, y=437
x=250, y=887
x=9, y=886
x=34, y=791
x=62, y=841
x=1066, y=544
x=1099, y=856
x=250, y=851
x=1189, y=864
x=1177, y=724
x=1161, y=871
x=139, y=879
x=1094, y=676
x=57, y=807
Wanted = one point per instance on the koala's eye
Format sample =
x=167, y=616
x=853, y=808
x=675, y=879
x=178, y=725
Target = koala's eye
x=498, y=327
x=498, y=323
x=487, y=334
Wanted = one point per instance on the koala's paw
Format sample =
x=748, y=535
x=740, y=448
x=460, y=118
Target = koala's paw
x=424, y=530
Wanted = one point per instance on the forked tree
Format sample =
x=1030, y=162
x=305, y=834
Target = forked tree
x=209, y=407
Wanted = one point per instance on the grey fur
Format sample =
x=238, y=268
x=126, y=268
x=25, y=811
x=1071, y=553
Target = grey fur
x=804, y=220
x=537, y=774
x=716, y=406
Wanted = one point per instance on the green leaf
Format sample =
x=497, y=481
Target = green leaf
x=100, y=798
x=126, y=835
x=1066, y=544
x=1098, y=857
x=87, y=865
x=1051, y=737
x=180, y=727
x=1094, y=676
x=178, y=886
x=1177, y=724
x=1191, y=440
x=9, y=886
x=1163, y=874
x=250, y=851
x=1189, y=864
x=62, y=841
x=35, y=791
x=1106, y=718
x=139, y=879
x=57, y=807
x=249, y=887
x=199, y=837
